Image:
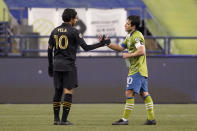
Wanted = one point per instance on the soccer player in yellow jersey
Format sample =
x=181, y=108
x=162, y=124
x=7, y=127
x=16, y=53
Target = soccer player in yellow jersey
x=138, y=74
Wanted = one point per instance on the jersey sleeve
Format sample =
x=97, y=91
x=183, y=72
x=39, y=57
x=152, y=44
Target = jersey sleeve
x=79, y=38
x=51, y=41
x=138, y=40
x=50, y=49
x=124, y=43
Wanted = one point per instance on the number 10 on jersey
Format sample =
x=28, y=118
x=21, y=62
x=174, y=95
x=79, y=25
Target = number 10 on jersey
x=59, y=41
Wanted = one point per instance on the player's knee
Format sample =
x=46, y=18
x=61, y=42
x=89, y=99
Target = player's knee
x=129, y=93
x=66, y=91
x=144, y=94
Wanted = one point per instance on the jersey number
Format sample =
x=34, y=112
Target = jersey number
x=59, y=43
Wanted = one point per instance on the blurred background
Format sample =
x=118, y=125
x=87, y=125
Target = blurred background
x=170, y=33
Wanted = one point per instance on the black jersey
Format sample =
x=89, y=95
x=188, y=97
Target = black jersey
x=65, y=41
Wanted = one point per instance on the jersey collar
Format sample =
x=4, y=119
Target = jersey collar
x=65, y=24
x=132, y=33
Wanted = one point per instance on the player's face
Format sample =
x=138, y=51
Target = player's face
x=128, y=27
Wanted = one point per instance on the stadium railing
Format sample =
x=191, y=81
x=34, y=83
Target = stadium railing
x=23, y=48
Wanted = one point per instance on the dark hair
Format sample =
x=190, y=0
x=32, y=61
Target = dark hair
x=68, y=14
x=135, y=20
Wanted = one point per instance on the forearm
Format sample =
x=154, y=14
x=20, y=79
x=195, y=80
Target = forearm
x=91, y=47
x=115, y=47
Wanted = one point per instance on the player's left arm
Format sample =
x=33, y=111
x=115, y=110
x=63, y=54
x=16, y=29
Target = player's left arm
x=104, y=41
x=139, y=52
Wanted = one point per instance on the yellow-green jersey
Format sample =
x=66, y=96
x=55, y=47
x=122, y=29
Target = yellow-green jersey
x=137, y=63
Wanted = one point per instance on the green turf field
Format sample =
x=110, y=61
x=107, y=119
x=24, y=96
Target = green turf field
x=178, y=17
x=97, y=117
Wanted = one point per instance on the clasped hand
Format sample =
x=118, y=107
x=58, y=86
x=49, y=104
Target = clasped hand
x=104, y=40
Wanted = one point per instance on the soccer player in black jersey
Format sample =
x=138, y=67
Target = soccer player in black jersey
x=63, y=44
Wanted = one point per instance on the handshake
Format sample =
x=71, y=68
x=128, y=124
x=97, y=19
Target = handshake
x=104, y=40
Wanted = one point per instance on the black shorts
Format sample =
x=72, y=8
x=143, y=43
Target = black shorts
x=65, y=79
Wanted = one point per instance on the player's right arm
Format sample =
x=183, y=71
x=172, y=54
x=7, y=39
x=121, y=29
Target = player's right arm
x=50, y=50
x=116, y=47
x=50, y=55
